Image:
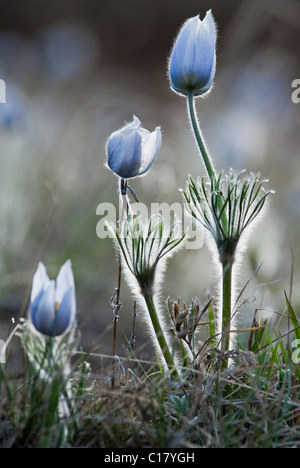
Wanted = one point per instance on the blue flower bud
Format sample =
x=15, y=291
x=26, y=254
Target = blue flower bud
x=132, y=150
x=53, y=303
x=192, y=63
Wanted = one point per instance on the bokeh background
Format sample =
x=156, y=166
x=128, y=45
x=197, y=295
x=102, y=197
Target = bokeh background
x=75, y=71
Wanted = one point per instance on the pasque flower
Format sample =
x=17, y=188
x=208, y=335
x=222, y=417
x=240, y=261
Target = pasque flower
x=132, y=150
x=145, y=247
x=226, y=206
x=53, y=303
x=193, y=59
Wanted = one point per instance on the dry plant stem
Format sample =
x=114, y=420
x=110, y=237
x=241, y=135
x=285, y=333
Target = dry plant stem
x=123, y=204
x=161, y=337
x=117, y=303
x=132, y=338
x=116, y=318
x=291, y=290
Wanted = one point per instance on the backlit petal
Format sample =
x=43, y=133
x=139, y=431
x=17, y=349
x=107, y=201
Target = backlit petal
x=40, y=283
x=43, y=316
x=193, y=58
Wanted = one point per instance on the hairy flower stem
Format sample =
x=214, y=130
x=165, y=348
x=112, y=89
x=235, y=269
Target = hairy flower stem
x=161, y=337
x=226, y=304
x=226, y=267
x=203, y=150
x=197, y=133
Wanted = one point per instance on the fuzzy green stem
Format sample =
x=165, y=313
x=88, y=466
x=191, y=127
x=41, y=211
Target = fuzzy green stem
x=197, y=133
x=184, y=353
x=226, y=304
x=226, y=267
x=161, y=337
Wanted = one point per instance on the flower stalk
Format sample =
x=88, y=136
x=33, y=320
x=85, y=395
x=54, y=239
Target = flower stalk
x=164, y=347
x=197, y=133
x=226, y=305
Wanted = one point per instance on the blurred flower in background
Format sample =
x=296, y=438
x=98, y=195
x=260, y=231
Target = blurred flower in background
x=14, y=113
x=69, y=50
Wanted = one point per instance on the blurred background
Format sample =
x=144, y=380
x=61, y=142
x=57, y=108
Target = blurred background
x=75, y=71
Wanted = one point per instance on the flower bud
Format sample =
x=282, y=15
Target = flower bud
x=53, y=303
x=132, y=150
x=193, y=59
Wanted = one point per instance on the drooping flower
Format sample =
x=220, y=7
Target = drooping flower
x=193, y=58
x=53, y=303
x=132, y=150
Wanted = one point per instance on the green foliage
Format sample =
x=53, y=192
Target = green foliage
x=144, y=246
x=254, y=403
x=294, y=320
x=226, y=206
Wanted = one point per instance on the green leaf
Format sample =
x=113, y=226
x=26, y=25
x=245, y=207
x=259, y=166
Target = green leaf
x=294, y=320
